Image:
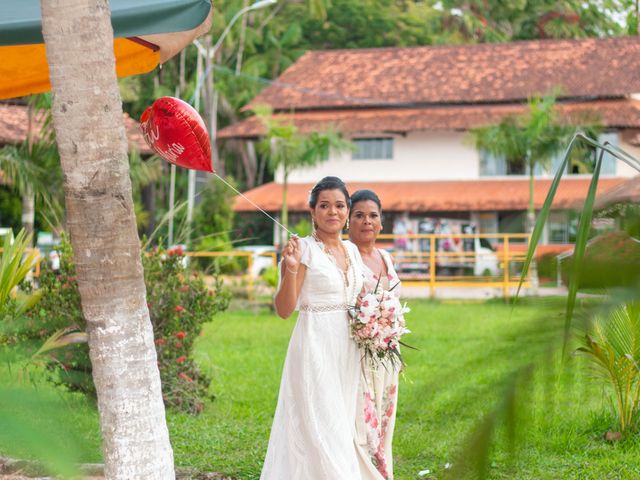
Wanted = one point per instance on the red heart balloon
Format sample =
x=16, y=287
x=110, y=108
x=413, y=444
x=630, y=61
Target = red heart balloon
x=175, y=131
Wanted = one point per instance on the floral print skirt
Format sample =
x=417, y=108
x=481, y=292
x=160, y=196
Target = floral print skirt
x=375, y=420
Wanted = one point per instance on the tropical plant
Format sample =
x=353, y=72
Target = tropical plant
x=15, y=264
x=143, y=172
x=497, y=21
x=30, y=168
x=20, y=430
x=303, y=227
x=179, y=304
x=584, y=226
x=287, y=150
x=102, y=225
x=613, y=347
x=473, y=460
x=526, y=141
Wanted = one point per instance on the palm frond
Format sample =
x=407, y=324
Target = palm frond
x=584, y=228
x=14, y=267
x=579, y=138
x=612, y=348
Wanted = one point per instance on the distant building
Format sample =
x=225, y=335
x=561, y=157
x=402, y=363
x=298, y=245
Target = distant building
x=409, y=110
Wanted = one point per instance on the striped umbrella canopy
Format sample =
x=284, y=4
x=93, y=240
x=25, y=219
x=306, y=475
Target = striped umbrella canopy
x=146, y=33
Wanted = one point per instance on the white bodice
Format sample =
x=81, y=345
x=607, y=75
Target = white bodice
x=324, y=282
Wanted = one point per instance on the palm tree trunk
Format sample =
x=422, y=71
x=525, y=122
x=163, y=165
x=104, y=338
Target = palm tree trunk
x=28, y=197
x=87, y=115
x=243, y=33
x=28, y=210
x=249, y=161
x=149, y=202
x=530, y=224
x=285, y=207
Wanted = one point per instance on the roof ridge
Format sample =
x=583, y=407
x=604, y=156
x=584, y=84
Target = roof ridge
x=472, y=45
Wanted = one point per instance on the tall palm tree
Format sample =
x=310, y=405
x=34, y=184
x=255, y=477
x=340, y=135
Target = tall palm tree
x=526, y=141
x=87, y=116
x=288, y=150
x=26, y=167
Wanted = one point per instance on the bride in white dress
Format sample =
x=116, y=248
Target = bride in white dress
x=313, y=433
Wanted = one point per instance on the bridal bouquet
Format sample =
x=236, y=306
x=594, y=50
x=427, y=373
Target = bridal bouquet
x=377, y=324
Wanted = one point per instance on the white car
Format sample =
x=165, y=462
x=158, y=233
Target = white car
x=262, y=257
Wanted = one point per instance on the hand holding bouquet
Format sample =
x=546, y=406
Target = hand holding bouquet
x=377, y=323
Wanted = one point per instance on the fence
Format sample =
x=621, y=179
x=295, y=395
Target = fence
x=249, y=274
x=434, y=261
x=429, y=261
x=459, y=260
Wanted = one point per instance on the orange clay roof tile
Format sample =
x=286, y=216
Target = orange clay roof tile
x=455, y=74
x=436, y=196
x=13, y=127
x=616, y=113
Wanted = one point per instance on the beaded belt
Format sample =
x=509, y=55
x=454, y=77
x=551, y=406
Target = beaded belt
x=340, y=307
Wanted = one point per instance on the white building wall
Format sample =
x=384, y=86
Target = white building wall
x=420, y=156
x=416, y=156
x=622, y=169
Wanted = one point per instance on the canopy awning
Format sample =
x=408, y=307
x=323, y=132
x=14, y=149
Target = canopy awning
x=147, y=32
x=480, y=195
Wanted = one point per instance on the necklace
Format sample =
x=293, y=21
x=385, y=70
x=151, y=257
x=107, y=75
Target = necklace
x=330, y=254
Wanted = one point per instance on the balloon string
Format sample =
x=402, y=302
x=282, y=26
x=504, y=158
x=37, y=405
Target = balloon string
x=249, y=200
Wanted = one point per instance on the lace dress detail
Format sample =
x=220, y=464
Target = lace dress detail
x=377, y=399
x=313, y=431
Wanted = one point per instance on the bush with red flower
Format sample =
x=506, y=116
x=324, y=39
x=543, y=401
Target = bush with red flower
x=179, y=304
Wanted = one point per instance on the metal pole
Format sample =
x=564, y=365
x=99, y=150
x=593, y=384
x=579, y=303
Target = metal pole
x=191, y=185
x=172, y=200
x=209, y=53
x=505, y=265
x=432, y=265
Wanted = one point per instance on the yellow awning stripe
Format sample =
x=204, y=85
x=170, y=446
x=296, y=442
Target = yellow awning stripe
x=24, y=69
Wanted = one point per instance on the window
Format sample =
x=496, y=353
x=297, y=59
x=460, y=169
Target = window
x=492, y=165
x=583, y=161
x=563, y=227
x=373, y=149
x=558, y=227
x=608, y=162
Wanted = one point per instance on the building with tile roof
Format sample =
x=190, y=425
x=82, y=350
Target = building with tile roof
x=408, y=112
x=14, y=124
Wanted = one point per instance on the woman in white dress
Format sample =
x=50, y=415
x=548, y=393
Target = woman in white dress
x=313, y=432
x=378, y=387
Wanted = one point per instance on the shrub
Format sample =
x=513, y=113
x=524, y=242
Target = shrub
x=15, y=265
x=548, y=266
x=270, y=276
x=225, y=265
x=179, y=303
x=610, y=259
x=303, y=228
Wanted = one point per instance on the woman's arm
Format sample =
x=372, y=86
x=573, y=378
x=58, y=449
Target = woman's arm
x=292, y=273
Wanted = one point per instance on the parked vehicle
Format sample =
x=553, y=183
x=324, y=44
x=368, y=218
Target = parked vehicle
x=46, y=244
x=455, y=255
x=262, y=257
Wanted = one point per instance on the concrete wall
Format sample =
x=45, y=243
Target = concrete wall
x=418, y=156
x=624, y=170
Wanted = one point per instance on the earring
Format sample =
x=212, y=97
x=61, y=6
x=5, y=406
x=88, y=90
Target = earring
x=346, y=226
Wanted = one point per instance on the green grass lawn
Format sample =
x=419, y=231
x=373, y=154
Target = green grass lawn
x=467, y=355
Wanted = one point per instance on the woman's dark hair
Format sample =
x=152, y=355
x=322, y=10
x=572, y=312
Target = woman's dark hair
x=328, y=183
x=363, y=195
